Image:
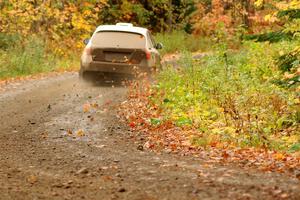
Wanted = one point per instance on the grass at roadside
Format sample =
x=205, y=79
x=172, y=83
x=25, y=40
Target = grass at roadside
x=228, y=99
x=178, y=41
x=229, y=107
x=231, y=99
x=22, y=57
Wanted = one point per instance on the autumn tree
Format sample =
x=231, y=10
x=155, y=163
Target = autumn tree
x=230, y=13
x=68, y=22
x=287, y=15
x=158, y=15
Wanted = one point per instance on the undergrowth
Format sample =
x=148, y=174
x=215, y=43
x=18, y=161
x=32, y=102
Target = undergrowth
x=232, y=98
x=25, y=56
x=177, y=41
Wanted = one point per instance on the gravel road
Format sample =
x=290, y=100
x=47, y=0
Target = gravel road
x=56, y=146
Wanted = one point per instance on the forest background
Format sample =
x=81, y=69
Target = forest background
x=31, y=30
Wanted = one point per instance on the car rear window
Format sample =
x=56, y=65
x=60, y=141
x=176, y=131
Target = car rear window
x=116, y=39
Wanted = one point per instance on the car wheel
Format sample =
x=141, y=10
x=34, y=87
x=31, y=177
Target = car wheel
x=85, y=75
x=81, y=73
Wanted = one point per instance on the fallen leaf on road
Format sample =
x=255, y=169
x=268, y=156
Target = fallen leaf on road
x=86, y=107
x=44, y=135
x=69, y=132
x=82, y=171
x=107, y=178
x=80, y=133
x=32, y=179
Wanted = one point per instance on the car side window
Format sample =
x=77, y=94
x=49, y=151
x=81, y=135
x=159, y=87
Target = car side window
x=149, y=39
x=152, y=40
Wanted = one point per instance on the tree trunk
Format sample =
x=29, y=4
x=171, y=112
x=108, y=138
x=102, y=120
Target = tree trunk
x=246, y=13
x=170, y=16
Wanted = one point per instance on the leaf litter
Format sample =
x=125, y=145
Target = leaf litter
x=143, y=118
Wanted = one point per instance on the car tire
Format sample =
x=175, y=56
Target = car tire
x=81, y=73
x=85, y=75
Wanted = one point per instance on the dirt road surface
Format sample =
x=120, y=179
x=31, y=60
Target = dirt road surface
x=52, y=147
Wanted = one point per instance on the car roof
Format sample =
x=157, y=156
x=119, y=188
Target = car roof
x=125, y=27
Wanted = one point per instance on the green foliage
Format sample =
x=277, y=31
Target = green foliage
x=62, y=19
x=155, y=121
x=293, y=28
x=290, y=13
x=183, y=121
x=27, y=56
x=179, y=41
x=270, y=36
x=7, y=40
x=63, y=25
x=200, y=141
x=231, y=98
x=295, y=147
x=288, y=61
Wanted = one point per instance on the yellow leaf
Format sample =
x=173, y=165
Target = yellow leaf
x=80, y=133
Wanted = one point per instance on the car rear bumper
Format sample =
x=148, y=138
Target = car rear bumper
x=122, y=68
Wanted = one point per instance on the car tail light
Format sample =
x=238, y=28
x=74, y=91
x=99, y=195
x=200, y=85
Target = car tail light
x=88, y=51
x=148, y=55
